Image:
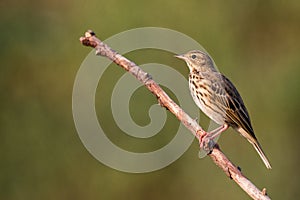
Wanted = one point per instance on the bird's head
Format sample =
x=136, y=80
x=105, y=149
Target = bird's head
x=197, y=60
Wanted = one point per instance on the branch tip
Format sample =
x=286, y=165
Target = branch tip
x=90, y=33
x=264, y=191
x=87, y=40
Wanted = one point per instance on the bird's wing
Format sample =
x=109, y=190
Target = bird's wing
x=229, y=100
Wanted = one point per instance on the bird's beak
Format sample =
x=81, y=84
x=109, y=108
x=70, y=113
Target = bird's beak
x=182, y=57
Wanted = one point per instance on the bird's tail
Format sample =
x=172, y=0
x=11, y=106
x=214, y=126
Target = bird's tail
x=257, y=147
x=261, y=153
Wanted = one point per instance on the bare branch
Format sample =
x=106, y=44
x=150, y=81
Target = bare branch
x=164, y=100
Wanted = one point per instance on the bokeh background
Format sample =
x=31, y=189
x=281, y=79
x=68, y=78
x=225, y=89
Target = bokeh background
x=255, y=43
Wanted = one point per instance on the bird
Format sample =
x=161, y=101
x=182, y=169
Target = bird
x=219, y=99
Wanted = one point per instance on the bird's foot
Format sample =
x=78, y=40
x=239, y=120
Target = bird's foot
x=206, y=144
x=207, y=140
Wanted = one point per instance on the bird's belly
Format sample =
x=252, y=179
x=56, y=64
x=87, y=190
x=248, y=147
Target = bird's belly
x=207, y=110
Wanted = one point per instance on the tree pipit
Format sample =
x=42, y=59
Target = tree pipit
x=218, y=98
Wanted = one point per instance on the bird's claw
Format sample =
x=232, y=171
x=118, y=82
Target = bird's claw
x=206, y=143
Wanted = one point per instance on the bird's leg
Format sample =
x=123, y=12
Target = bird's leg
x=205, y=139
x=215, y=133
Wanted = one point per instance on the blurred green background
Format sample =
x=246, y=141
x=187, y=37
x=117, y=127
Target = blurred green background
x=255, y=43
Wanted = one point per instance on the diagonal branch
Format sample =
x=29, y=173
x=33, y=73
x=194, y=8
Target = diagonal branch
x=216, y=154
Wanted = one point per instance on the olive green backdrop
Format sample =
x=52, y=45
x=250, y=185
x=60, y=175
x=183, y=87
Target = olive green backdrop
x=255, y=43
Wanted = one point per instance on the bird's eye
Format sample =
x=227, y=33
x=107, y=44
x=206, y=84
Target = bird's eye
x=194, y=56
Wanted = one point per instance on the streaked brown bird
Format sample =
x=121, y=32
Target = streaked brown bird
x=218, y=98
